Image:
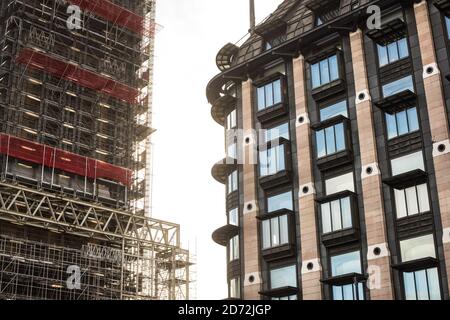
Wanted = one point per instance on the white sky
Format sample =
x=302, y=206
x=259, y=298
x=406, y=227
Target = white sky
x=188, y=141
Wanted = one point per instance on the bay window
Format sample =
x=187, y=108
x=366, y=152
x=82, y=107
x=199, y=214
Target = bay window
x=398, y=86
x=420, y=284
x=279, y=202
x=412, y=201
x=284, y=277
x=330, y=140
x=401, y=123
x=275, y=232
x=269, y=95
x=324, y=71
x=345, y=264
x=407, y=163
x=336, y=215
x=272, y=161
x=234, y=248
x=392, y=52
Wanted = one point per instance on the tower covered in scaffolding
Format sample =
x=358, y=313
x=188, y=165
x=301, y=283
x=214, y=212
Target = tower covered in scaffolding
x=75, y=125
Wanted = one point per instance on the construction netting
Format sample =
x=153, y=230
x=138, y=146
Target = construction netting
x=82, y=77
x=59, y=159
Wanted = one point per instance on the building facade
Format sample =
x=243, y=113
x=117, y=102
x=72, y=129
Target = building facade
x=75, y=124
x=349, y=196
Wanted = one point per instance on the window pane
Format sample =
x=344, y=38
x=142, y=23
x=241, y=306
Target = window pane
x=334, y=110
x=411, y=201
x=433, y=284
x=315, y=74
x=331, y=146
x=346, y=263
x=281, y=131
x=417, y=248
x=263, y=163
x=269, y=95
x=421, y=285
x=336, y=215
x=277, y=92
x=382, y=55
x=413, y=120
x=337, y=293
x=283, y=277
x=447, y=22
x=348, y=292
x=398, y=86
x=233, y=217
x=266, y=234
x=340, y=137
x=410, y=287
x=281, y=201
x=346, y=213
x=321, y=146
x=407, y=163
x=326, y=218
x=422, y=195
x=400, y=203
x=280, y=157
x=402, y=123
x=284, y=231
x=340, y=183
x=261, y=99
x=324, y=71
x=334, y=69
x=392, y=52
x=391, y=126
x=275, y=236
x=403, y=48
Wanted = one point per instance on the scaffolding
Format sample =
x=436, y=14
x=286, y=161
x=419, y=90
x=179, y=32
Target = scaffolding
x=75, y=149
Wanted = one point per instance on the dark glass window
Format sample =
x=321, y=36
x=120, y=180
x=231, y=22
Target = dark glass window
x=392, y=52
x=269, y=95
x=447, y=23
x=403, y=122
x=334, y=110
x=324, y=71
x=330, y=140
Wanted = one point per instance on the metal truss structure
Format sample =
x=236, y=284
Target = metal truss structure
x=75, y=151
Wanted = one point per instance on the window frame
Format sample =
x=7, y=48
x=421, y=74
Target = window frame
x=270, y=80
x=285, y=145
x=318, y=62
x=408, y=123
x=405, y=200
x=234, y=243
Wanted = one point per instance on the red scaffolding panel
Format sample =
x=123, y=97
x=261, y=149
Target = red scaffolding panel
x=82, y=77
x=113, y=13
x=59, y=159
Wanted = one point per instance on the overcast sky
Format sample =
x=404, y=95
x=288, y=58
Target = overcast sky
x=188, y=141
